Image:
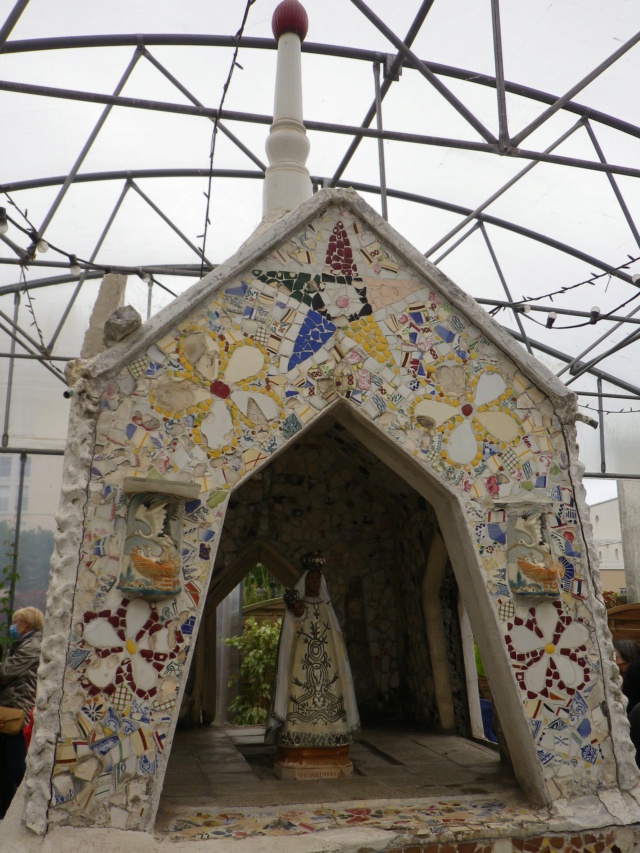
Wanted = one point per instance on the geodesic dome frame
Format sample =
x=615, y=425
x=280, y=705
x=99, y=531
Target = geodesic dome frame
x=430, y=143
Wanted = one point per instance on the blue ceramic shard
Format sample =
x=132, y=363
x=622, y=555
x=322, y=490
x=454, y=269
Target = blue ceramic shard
x=314, y=332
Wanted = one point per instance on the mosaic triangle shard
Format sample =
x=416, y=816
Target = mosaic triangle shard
x=337, y=295
x=315, y=331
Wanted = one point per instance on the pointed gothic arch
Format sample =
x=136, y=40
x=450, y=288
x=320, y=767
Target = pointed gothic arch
x=203, y=698
x=447, y=546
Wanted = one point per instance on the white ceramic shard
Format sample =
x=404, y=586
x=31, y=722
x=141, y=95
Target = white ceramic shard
x=490, y=386
x=250, y=404
x=437, y=412
x=500, y=424
x=463, y=444
x=217, y=426
x=245, y=361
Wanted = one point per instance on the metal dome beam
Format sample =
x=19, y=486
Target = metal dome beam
x=340, y=52
x=11, y=20
x=368, y=188
x=325, y=127
x=126, y=174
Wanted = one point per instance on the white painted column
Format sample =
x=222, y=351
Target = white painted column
x=431, y=585
x=629, y=503
x=287, y=183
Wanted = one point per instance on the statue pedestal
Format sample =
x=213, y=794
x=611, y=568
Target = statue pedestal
x=302, y=763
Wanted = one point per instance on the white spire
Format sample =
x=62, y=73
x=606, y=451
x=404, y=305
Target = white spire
x=287, y=182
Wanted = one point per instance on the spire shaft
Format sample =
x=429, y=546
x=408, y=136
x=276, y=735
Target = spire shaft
x=287, y=182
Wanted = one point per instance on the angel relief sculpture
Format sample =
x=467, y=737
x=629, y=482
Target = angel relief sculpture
x=533, y=569
x=151, y=560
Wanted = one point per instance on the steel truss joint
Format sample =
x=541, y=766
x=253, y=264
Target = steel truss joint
x=391, y=69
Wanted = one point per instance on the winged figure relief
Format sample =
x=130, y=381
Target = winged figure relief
x=157, y=560
x=545, y=573
x=535, y=566
x=530, y=524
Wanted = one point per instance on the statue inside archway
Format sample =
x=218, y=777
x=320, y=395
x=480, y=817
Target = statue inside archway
x=313, y=716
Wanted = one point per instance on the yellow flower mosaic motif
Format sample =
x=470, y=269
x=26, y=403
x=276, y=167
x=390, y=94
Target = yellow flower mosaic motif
x=366, y=332
x=223, y=381
x=464, y=423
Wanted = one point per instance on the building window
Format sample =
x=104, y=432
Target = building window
x=600, y=554
x=4, y=497
x=616, y=553
x=5, y=466
x=597, y=519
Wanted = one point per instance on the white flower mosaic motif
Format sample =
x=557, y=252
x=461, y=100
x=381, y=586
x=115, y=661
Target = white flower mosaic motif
x=547, y=650
x=340, y=299
x=133, y=634
x=219, y=385
x=461, y=445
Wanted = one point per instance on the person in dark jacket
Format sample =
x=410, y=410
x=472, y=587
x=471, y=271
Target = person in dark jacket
x=18, y=675
x=627, y=654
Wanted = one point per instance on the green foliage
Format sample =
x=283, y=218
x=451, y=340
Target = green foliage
x=479, y=664
x=36, y=547
x=613, y=599
x=7, y=578
x=260, y=585
x=257, y=646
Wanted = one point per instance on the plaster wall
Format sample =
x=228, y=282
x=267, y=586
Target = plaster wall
x=329, y=309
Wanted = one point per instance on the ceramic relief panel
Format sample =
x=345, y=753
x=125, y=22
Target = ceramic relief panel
x=151, y=559
x=533, y=569
x=331, y=313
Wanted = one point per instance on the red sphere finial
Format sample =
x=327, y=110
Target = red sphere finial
x=290, y=17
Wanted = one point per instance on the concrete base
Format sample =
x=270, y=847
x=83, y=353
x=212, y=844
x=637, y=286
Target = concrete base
x=304, y=763
x=318, y=771
x=588, y=823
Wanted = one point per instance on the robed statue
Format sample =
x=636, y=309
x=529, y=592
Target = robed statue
x=313, y=716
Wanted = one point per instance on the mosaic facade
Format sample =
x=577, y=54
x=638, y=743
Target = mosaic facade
x=447, y=826
x=332, y=315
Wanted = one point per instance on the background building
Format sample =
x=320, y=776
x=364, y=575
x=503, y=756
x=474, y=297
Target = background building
x=607, y=536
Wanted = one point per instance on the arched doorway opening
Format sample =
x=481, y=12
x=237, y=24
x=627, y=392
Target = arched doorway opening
x=393, y=587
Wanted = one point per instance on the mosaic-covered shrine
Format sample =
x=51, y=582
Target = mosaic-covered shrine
x=328, y=315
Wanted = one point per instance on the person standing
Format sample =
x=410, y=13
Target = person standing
x=627, y=655
x=18, y=676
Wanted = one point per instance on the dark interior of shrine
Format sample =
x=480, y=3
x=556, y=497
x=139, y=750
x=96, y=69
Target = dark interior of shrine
x=327, y=492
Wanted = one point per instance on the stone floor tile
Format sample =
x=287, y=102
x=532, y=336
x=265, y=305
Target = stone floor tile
x=207, y=769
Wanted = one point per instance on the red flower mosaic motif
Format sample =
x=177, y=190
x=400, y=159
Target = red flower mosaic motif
x=339, y=254
x=130, y=646
x=547, y=649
